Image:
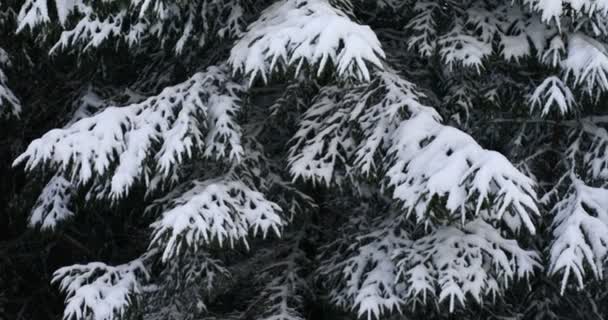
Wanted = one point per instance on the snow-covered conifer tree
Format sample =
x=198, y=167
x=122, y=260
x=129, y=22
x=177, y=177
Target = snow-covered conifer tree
x=281, y=160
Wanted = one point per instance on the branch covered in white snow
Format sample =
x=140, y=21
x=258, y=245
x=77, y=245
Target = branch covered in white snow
x=452, y=264
x=428, y=159
x=100, y=292
x=299, y=32
x=219, y=210
x=119, y=142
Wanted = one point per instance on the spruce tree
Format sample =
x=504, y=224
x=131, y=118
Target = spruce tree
x=300, y=159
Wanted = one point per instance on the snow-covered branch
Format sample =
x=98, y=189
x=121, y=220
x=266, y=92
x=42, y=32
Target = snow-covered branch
x=428, y=159
x=580, y=230
x=298, y=32
x=219, y=210
x=452, y=264
x=98, y=291
x=53, y=204
x=360, y=270
x=166, y=128
x=552, y=92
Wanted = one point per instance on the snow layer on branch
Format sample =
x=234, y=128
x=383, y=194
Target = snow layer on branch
x=8, y=100
x=554, y=9
x=580, y=228
x=428, y=159
x=224, y=137
x=580, y=223
x=552, y=92
x=32, y=13
x=360, y=270
x=451, y=264
x=203, y=211
x=375, y=267
x=95, y=22
x=306, y=31
x=165, y=128
x=97, y=291
x=553, y=54
x=53, y=204
x=587, y=63
x=92, y=31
